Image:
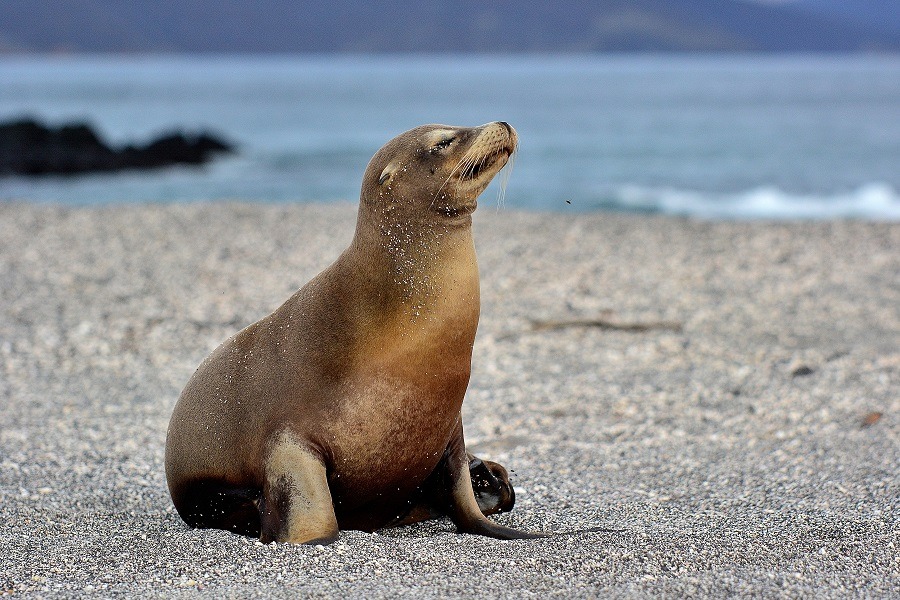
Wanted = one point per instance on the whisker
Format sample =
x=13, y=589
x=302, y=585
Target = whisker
x=446, y=181
x=469, y=164
x=504, y=180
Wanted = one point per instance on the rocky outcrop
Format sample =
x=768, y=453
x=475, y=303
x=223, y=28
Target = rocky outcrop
x=31, y=148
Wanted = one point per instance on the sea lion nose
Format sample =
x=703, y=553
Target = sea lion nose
x=513, y=136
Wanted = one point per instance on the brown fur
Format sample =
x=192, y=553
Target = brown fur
x=341, y=409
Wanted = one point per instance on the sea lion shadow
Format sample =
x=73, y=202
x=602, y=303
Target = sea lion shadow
x=508, y=443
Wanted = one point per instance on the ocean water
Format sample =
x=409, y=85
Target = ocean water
x=712, y=136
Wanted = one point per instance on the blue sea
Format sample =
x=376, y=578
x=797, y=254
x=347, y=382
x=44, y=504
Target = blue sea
x=728, y=137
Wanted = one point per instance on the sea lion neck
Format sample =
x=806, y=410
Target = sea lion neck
x=420, y=264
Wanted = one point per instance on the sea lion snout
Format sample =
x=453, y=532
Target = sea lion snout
x=488, y=152
x=510, y=131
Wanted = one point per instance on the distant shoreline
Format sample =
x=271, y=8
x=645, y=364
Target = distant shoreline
x=468, y=25
x=628, y=55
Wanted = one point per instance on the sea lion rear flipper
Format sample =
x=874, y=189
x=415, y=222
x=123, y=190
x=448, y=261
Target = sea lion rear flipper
x=490, y=482
x=296, y=505
x=462, y=506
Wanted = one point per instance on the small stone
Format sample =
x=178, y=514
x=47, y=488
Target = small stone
x=802, y=371
x=871, y=418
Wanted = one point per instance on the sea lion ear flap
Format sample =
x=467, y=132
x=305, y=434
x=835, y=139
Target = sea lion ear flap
x=386, y=174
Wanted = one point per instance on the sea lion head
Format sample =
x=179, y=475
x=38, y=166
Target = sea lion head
x=436, y=172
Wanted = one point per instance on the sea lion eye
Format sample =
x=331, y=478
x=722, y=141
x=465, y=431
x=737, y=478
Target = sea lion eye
x=442, y=144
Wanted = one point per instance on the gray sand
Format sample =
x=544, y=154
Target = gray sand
x=731, y=458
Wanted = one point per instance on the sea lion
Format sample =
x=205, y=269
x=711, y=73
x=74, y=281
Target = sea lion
x=341, y=409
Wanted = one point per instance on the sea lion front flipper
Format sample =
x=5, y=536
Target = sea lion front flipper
x=296, y=506
x=462, y=506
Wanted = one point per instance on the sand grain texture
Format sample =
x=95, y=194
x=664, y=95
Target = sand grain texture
x=736, y=456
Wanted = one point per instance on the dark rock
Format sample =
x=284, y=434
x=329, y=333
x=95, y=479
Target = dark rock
x=32, y=149
x=802, y=371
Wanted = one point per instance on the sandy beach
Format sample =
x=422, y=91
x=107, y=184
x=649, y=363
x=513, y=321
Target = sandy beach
x=722, y=397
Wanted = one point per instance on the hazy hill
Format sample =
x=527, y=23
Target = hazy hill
x=881, y=15
x=433, y=26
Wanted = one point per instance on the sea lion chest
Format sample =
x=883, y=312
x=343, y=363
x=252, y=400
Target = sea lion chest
x=396, y=414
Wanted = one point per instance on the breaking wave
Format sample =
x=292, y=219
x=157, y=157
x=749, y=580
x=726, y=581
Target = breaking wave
x=879, y=201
